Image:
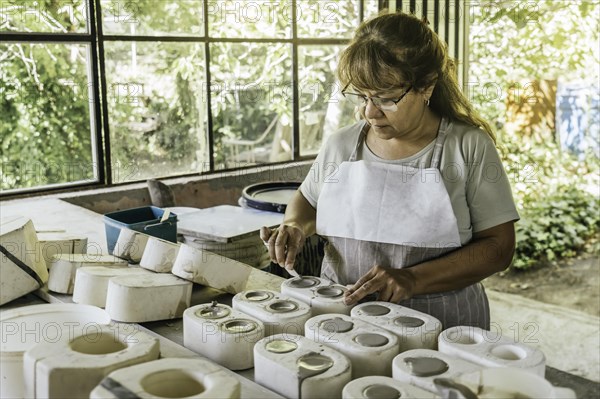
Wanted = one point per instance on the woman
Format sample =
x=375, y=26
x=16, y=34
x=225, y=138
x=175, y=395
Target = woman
x=413, y=200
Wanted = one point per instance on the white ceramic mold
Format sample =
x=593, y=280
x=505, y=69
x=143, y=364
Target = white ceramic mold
x=159, y=255
x=55, y=242
x=296, y=367
x=207, y=268
x=169, y=378
x=370, y=348
x=280, y=314
x=419, y=367
x=322, y=295
x=22, y=266
x=222, y=334
x=414, y=329
x=379, y=387
x=91, y=283
x=73, y=366
x=490, y=349
x=147, y=297
x=507, y=382
x=130, y=245
x=64, y=266
x=22, y=328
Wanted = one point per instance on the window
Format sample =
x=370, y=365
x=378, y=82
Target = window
x=99, y=92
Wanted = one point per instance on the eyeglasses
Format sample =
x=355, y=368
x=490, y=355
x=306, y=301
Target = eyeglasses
x=383, y=104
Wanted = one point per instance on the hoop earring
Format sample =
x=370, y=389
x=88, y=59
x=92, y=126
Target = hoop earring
x=427, y=102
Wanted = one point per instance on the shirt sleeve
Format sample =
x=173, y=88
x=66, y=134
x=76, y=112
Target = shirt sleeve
x=489, y=195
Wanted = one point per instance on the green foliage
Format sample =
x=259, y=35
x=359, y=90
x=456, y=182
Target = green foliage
x=556, y=194
x=557, y=197
x=515, y=41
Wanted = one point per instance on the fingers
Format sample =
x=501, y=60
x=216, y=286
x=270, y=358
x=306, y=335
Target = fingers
x=292, y=251
x=366, y=285
x=265, y=233
x=280, y=246
x=388, y=283
x=283, y=244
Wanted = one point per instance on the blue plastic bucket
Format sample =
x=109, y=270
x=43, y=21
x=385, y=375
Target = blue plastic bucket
x=145, y=220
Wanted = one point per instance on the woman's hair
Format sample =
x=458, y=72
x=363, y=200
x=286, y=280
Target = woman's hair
x=398, y=49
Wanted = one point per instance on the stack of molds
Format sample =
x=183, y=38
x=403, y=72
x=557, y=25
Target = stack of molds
x=147, y=297
x=59, y=242
x=222, y=334
x=73, y=366
x=297, y=367
x=169, y=378
x=419, y=367
x=159, y=255
x=279, y=313
x=206, y=268
x=250, y=250
x=22, y=267
x=322, y=295
x=64, y=266
x=490, y=349
x=91, y=283
x=370, y=348
x=414, y=329
x=24, y=327
x=130, y=245
x=375, y=387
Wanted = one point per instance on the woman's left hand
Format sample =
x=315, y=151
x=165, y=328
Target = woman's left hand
x=392, y=285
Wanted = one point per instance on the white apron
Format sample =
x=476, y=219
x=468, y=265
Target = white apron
x=395, y=216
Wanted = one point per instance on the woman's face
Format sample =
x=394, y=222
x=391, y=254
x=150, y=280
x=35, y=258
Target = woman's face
x=403, y=122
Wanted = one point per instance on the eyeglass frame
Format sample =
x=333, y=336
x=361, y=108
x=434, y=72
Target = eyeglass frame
x=367, y=98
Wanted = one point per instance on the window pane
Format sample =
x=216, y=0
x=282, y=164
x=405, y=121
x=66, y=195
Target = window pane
x=65, y=16
x=334, y=19
x=156, y=109
x=251, y=103
x=322, y=107
x=371, y=8
x=152, y=17
x=46, y=101
x=249, y=19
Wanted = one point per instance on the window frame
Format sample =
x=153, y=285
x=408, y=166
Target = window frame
x=451, y=28
x=95, y=38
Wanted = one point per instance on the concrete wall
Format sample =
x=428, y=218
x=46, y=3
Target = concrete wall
x=197, y=191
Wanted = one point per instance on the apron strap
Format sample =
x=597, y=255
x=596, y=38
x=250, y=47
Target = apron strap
x=361, y=138
x=437, y=148
x=436, y=158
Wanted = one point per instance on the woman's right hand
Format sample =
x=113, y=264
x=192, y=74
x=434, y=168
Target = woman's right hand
x=283, y=243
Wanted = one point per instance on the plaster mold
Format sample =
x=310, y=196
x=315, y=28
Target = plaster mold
x=147, y=297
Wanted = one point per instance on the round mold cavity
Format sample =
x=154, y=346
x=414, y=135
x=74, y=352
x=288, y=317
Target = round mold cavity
x=171, y=384
x=336, y=325
x=282, y=306
x=239, y=326
x=375, y=310
x=94, y=344
x=315, y=362
x=371, y=340
x=426, y=366
x=407, y=321
x=258, y=296
x=380, y=391
x=304, y=282
x=464, y=337
x=281, y=346
x=509, y=352
x=213, y=312
x=329, y=292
